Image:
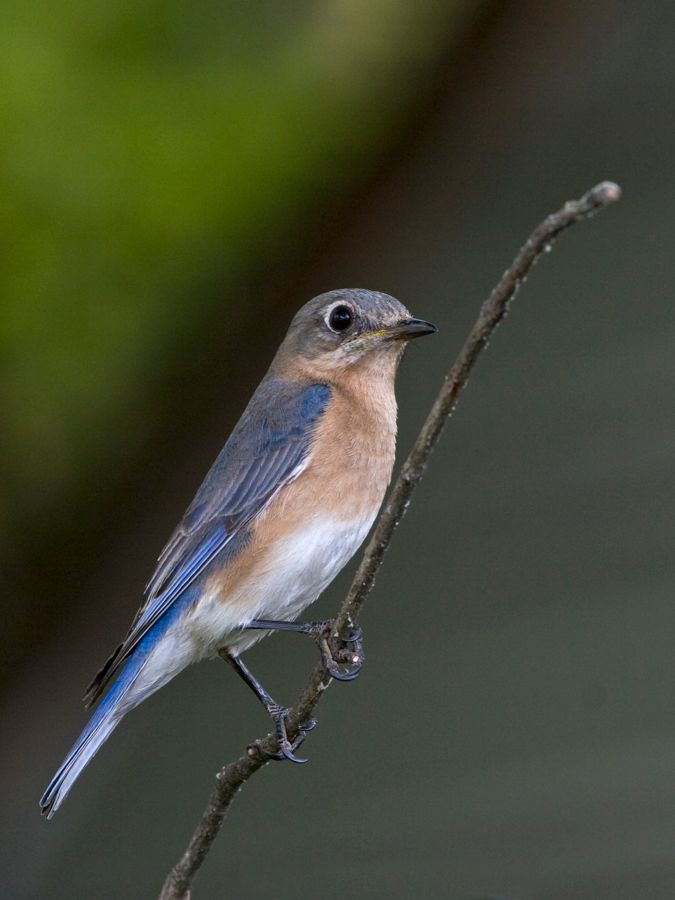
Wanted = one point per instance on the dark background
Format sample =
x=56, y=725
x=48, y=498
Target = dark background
x=177, y=183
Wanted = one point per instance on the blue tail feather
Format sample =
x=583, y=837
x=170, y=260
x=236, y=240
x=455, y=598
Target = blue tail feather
x=97, y=730
x=114, y=705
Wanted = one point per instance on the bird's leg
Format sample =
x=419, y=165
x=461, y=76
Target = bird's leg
x=277, y=713
x=350, y=657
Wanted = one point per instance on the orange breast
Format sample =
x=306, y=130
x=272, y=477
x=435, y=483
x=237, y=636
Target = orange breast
x=345, y=478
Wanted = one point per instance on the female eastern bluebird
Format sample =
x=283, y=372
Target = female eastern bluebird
x=286, y=504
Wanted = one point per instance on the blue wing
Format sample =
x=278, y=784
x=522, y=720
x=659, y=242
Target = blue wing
x=266, y=450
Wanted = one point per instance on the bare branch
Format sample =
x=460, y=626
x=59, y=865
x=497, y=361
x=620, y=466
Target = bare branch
x=232, y=776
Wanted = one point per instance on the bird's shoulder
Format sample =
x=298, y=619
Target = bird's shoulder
x=266, y=447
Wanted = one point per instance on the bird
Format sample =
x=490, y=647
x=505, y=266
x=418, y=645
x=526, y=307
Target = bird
x=286, y=504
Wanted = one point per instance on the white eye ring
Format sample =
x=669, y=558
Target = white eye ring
x=338, y=327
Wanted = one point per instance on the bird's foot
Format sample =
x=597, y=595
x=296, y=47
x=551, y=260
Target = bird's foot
x=288, y=747
x=344, y=664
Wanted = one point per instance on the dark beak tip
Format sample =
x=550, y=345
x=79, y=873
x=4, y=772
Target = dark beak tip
x=419, y=327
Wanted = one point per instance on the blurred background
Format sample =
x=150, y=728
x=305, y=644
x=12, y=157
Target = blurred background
x=176, y=180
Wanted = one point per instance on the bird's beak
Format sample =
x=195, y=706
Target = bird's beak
x=409, y=328
x=401, y=331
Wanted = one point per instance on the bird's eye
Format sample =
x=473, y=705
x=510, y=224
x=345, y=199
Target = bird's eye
x=340, y=318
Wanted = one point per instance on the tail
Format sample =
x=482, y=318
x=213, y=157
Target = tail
x=101, y=725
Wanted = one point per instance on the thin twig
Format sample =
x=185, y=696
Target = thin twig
x=232, y=776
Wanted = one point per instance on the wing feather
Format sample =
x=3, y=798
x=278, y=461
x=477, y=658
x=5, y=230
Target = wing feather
x=267, y=449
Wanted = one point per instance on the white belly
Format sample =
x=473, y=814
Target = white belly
x=292, y=576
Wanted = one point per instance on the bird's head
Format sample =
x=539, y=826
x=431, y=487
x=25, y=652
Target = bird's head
x=339, y=329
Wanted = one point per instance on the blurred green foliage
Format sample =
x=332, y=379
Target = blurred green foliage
x=146, y=143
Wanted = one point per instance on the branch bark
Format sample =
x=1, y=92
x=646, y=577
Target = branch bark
x=232, y=776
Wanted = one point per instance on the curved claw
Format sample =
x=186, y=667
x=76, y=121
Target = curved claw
x=354, y=635
x=287, y=748
x=335, y=672
x=286, y=752
x=353, y=663
x=343, y=670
